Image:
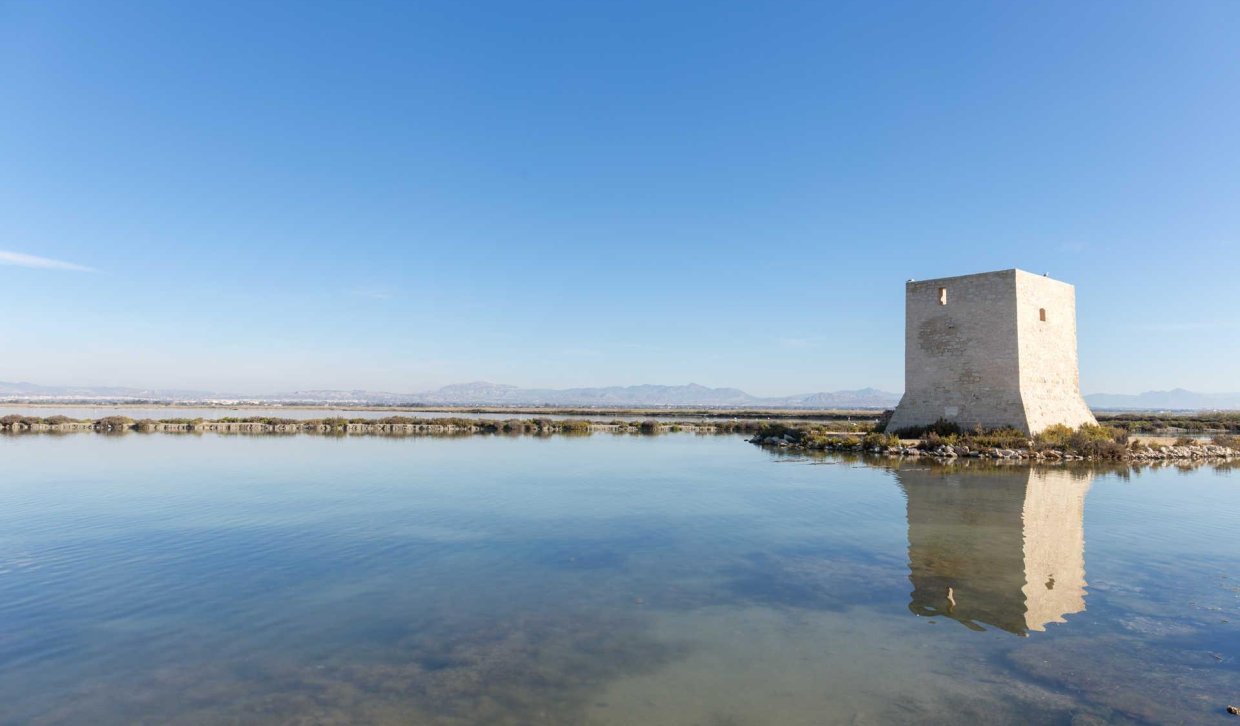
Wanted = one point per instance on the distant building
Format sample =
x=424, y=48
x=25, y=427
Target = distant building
x=999, y=548
x=993, y=349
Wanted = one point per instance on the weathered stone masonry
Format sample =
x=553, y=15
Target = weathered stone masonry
x=992, y=349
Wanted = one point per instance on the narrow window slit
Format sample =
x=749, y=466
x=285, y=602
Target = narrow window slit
x=1042, y=314
x=942, y=296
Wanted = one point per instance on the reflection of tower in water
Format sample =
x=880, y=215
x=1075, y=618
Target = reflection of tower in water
x=1002, y=547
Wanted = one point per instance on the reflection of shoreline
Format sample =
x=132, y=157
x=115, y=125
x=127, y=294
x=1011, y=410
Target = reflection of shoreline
x=1122, y=469
x=13, y=424
x=1002, y=548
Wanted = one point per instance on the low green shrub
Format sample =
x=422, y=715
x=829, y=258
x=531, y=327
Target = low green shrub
x=933, y=440
x=1098, y=448
x=1054, y=437
x=1098, y=432
x=1088, y=440
x=777, y=430
x=882, y=441
x=942, y=428
x=1004, y=438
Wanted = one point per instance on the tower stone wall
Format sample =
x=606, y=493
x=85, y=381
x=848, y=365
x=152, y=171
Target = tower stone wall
x=992, y=349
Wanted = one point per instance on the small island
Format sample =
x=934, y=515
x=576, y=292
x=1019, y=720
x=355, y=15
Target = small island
x=1089, y=442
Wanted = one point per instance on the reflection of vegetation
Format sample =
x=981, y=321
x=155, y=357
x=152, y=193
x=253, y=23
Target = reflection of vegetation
x=386, y=426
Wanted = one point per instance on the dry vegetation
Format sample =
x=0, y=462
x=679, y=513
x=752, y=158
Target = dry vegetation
x=1094, y=442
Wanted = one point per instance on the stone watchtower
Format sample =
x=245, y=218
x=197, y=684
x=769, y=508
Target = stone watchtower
x=993, y=349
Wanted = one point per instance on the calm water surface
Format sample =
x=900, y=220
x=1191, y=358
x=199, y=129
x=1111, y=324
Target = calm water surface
x=602, y=580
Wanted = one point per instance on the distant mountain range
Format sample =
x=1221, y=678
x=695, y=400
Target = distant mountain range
x=1173, y=400
x=477, y=394
x=645, y=396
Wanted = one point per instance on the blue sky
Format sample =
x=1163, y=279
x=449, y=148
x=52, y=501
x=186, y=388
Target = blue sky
x=397, y=196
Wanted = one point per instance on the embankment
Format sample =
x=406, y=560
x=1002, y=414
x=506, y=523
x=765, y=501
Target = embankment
x=389, y=426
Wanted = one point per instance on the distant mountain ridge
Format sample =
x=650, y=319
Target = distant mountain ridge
x=1176, y=399
x=482, y=393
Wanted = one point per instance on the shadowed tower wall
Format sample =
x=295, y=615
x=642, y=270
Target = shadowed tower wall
x=993, y=349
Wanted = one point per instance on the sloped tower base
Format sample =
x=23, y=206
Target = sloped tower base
x=914, y=412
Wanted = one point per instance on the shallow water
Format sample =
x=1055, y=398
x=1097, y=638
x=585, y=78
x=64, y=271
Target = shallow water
x=602, y=580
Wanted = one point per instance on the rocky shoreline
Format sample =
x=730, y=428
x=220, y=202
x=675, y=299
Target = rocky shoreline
x=1202, y=451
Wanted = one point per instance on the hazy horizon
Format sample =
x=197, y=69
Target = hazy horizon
x=255, y=392
x=285, y=196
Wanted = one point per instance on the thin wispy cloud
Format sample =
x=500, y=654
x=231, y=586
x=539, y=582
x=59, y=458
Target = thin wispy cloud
x=373, y=293
x=20, y=259
x=1187, y=326
x=639, y=346
x=796, y=343
x=582, y=352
